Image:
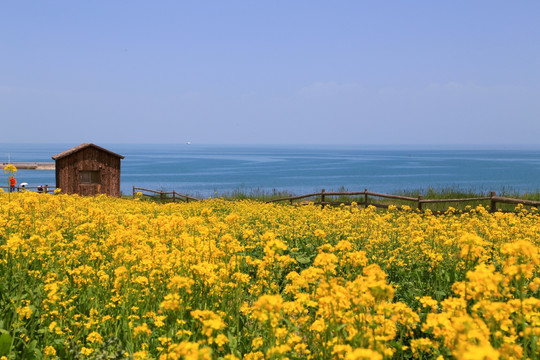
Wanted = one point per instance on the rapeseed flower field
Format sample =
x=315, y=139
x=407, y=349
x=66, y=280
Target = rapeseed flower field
x=107, y=278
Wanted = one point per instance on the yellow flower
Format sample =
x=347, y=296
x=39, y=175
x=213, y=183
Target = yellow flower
x=10, y=168
x=254, y=356
x=221, y=340
x=140, y=355
x=318, y=325
x=142, y=330
x=307, y=282
x=257, y=342
x=327, y=262
x=428, y=302
x=24, y=312
x=94, y=337
x=320, y=233
x=363, y=354
x=171, y=302
x=210, y=320
x=49, y=352
x=181, y=282
x=86, y=351
x=486, y=352
x=268, y=308
x=141, y=280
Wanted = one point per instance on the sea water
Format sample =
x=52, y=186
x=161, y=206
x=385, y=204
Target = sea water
x=210, y=170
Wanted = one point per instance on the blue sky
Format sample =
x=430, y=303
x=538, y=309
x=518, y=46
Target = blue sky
x=270, y=72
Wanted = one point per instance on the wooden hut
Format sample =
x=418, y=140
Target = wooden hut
x=88, y=169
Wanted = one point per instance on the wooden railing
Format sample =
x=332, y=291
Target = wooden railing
x=49, y=189
x=322, y=199
x=164, y=196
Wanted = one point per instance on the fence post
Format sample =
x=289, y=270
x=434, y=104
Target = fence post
x=173, y=196
x=365, y=198
x=420, y=197
x=290, y=198
x=492, y=203
x=322, y=197
x=134, y=192
x=161, y=196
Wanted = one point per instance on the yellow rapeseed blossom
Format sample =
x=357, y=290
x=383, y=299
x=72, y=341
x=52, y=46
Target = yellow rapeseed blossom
x=211, y=321
x=249, y=280
x=24, y=312
x=94, y=337
x=142, y=330
x=10, y=169
x=86, y=351
x=49, y=352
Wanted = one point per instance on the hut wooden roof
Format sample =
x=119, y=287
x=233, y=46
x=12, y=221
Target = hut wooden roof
x=80, y=147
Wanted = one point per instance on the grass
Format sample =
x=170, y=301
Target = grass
x=254, y=194
x=236, y=194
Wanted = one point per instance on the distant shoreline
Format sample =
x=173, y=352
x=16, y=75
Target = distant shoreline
x=32, y=165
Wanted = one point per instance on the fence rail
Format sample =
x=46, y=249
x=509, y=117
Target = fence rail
x=48, y=189
x=322, y=197
x=165, y=196
x=493, y=199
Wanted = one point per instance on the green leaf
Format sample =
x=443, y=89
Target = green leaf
x=439, y=295
x=38, y=354
x=5, y=342
x=32, y=345
x=303, y=259
x=233, y=341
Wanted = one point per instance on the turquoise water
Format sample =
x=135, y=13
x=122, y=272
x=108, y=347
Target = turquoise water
x=203, y=170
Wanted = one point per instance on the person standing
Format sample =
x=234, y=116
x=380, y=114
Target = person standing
x=12, y=183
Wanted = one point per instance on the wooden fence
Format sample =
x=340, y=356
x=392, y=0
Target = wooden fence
x=163, y=196
x=49, y=189
x=322, y=199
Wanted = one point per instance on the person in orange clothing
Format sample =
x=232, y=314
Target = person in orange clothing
x=12, y=183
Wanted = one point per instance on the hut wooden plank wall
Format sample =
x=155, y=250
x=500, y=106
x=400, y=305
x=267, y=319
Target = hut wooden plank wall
x=88, y=170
